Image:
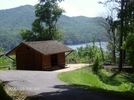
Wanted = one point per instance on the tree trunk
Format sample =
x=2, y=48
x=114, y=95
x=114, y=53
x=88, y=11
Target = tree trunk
x=114, y=47
x=102, y=54
x=121, y=37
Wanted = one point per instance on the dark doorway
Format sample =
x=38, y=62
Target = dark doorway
x=54, y=60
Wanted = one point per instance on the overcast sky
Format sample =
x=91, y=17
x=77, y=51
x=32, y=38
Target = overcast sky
x=89, y=8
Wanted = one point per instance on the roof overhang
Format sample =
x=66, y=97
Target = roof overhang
x=13, y=51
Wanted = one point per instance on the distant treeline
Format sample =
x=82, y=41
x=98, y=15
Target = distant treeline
x=8, y=42
x=76, y=30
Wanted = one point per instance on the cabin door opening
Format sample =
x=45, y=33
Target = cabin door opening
x=54, y=60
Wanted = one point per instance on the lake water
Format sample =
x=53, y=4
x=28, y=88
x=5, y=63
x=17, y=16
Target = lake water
x=103, y=44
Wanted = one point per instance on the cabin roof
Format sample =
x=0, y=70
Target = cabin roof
x=44, y=47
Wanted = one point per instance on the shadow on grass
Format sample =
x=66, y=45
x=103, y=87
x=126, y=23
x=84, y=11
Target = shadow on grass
x=3, y=95
x=129, y=77
x=107, y=79
x=114, y=80
x=122, y=94
x=67, y=92
x=111, y=80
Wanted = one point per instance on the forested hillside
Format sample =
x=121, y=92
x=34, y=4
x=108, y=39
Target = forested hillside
x=11, y=22
x=81, y=29
x=76, y=29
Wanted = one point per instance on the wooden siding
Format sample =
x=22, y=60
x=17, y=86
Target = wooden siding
x=61, y=59
x=37, y=61
x=46, y=61
x=19, y=60
x=24, y=60
x=28, y=59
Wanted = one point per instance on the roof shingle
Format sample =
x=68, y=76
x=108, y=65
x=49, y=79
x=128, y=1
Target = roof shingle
x=45, y=47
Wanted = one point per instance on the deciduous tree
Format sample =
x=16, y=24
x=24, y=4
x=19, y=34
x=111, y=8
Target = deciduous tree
x=44, y=26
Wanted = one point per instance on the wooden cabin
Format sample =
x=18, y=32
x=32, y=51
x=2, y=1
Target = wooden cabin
x=40, y=55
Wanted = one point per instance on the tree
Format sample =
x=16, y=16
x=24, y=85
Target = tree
x=128, y=45
x=120, y=16
x=126, y=19
x=110, y=32
x=102, y=54
x=128, y=31
x=110, y=26
x=121, y=37
x=113, y=34
x=44, y=26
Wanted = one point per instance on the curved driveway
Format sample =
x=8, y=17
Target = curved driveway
x=44, y=85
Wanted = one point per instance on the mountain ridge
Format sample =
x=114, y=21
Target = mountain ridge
x=78, y=29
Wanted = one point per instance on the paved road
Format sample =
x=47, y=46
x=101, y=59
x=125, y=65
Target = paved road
x=42, y=85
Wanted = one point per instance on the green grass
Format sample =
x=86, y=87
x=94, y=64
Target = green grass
x=105, y=81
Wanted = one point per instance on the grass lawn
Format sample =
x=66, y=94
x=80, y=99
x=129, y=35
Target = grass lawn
x=105, y=81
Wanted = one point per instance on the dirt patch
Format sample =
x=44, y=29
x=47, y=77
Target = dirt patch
x=70, y=67
x=125, y=68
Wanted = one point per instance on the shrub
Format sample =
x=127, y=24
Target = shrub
x=96, y=65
